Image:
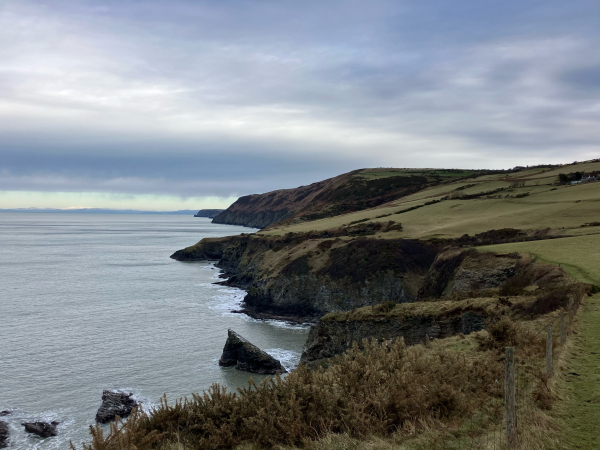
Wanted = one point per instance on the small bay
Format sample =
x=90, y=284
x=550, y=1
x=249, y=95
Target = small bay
x=92, y=301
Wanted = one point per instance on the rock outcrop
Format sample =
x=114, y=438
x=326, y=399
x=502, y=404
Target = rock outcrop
x=336, y=333
x=115, y=403
x=457, y=270
x=3, y=434
x=42, y=429
x=303, y=277
x=245, y=356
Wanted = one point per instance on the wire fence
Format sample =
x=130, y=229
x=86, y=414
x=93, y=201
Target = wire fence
x=502, y=423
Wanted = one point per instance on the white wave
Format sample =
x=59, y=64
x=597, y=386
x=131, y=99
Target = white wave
x=288, y=358
x=20, y=439
x=144, y=402
x=289, y=325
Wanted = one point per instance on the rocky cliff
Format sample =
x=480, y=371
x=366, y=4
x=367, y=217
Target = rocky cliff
x=460, y=294
x=415, y=323
x=302, y=278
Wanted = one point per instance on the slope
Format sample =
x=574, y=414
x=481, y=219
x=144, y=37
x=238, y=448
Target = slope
x=353, y=191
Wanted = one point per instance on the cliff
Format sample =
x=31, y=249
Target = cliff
x=468, y=288
x=353, y=191
x=414, y=322
x=210, y=213
x=303, y=278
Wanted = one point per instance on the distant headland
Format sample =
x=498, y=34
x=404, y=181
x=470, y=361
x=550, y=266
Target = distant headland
x=210, y=213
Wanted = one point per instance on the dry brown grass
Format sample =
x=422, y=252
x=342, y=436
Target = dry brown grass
x=380, y=391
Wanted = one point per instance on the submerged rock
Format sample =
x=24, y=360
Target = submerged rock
x=245, y=356
x=115, y=403
x=43, y=429
x=4, y=413
x=3, y=434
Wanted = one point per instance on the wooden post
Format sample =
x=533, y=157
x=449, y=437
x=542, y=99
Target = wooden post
x=563, y=334
x=549, y=369
x=510, y=401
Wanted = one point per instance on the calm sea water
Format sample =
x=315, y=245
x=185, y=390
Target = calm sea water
x=93, y=302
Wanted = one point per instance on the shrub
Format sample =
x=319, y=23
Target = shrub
x=373, y=392
x=517, y=283
x=553, y=300
x=501, y=333
x=542, y=395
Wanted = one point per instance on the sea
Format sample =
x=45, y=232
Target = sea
x=90, y=302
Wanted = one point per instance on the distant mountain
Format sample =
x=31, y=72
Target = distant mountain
x=184, y=212
x=210, y=213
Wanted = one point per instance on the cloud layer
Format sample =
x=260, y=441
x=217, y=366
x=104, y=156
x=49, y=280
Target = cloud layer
x=192, y=99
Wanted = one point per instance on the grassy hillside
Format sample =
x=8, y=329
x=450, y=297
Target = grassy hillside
x=353, y=191
x=579, y=256
x=530, y=199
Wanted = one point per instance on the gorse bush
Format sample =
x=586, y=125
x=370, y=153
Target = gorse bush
x=378, y=391
x=516, y=284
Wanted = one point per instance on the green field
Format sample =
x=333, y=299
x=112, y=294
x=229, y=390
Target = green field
x=561, y=207
x=579, y=256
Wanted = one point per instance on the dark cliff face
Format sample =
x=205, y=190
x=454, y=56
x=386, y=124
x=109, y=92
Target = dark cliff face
x=458, y=270
x=305, y=279
x=253, y=219
x=331, y=337
x=363, y=272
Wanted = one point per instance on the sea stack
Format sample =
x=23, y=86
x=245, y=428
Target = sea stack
x=42, y=429
x=115, y=403
x=245, y=356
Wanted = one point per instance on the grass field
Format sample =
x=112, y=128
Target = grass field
x=579, y=256
x=563, y=207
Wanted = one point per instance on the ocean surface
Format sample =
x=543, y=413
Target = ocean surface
x=91, y=302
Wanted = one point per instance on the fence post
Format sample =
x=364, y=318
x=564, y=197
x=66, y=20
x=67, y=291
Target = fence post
x=563, y=335
x=549, y=370
x=510, y=401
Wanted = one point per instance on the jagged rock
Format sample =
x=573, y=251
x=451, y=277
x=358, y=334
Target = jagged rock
x=115, y=403
x=245, y=356
x=3, y=434
x=332, y=336
x=43, y=429
x=4, y=413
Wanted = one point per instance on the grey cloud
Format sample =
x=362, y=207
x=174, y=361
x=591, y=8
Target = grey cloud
x=245, y=95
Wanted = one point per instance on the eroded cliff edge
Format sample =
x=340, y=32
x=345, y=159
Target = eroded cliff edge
x=472, y=290
x=303, y=277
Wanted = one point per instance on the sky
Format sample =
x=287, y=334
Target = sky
x=166, y=105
